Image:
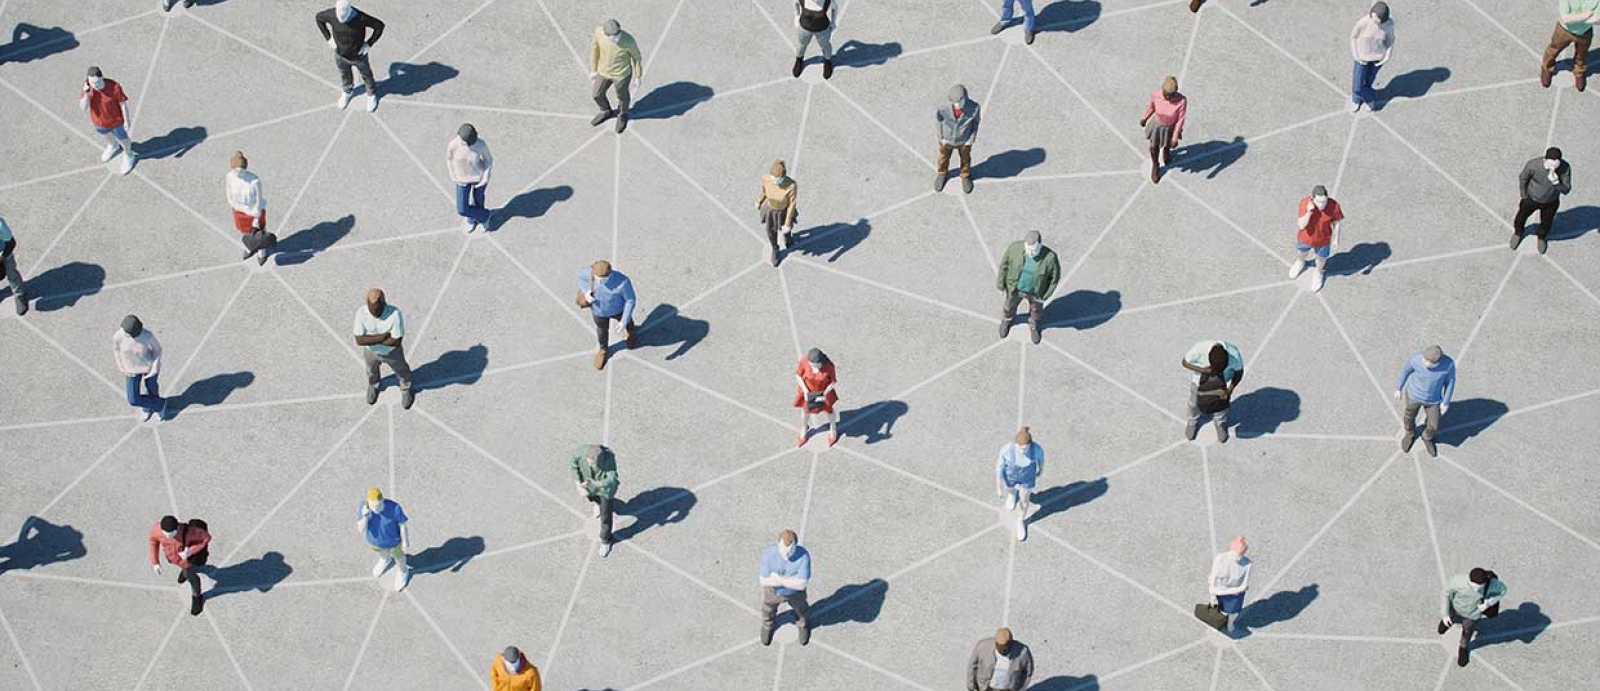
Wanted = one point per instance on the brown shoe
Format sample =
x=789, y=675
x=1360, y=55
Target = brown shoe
x=600, y=359
x=1194, y=5
x=1155, y=172
x=1580, y=81
x=1544, y=78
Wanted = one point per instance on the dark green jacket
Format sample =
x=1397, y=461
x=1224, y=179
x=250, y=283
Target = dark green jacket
x=601, y=479
x=1011, y=270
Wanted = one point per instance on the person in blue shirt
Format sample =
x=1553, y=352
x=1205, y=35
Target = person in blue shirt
x=383, y=523
x=784, y=571
x=1018, y=469
x=8, y=265
x=609, y=296
x=1427, y=382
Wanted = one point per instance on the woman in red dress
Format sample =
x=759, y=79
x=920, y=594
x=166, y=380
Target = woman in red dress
x=817, y=378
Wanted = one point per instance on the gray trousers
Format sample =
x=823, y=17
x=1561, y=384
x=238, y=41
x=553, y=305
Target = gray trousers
x=770, y=599
x=13, y=277
x=1035, y=308
x=396, y=360
x=1468, y=627
x=1409, y=424
x=624, y=97
x=1219, y=418
x=361, y=64
x=824, y=40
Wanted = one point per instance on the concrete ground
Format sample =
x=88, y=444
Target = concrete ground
x=270, y=441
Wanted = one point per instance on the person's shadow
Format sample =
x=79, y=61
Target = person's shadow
x=1523, y=624
x=1573, y=223
x=173, y=144
x=1360, y=259
x=406, y=79
x=210, y=391
x=1066, y=683
x=1214, y=156
x=64, y=285
x=1260, y=412
x=670, y=101
x=260, y=574
x=453, y=367
x=1066, y=15
x=1278, y=607
x=834, y=239
x=30, y=42
x=451, y=556
x=1009, y=164
x=1054, y=500
x=1081, y=309
x=529, y=204
x=41, y=543
x=855, y=54
x=875, y=422
x=858, y=602
x=305, y=244
x=1469, y=418
x=665, y=326
x=1413, y=84
x=652, y=508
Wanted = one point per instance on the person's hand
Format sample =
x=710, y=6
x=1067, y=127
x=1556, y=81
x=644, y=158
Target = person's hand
x=364, y=48
x=1142, y=121
x=333, y=44
x=1483, y=606
x=634, y=85
x=156, y=568
x=1444, y=408
x=184, y=553
x=85, y=86
x=1397, y=394
x=593, y=75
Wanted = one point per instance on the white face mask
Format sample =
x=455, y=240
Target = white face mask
x=513, y=665
x=171, y=536
x=615, y=38
x=345, y=12
x=374, y=506
x=1552, y=164
x=1319, y=202
x=97, y=83
x=1032, y=250
x=815, y=367
x=785, y=550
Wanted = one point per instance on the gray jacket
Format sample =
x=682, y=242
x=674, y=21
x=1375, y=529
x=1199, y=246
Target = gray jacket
x=962, y=131
x=980, y=668
x=1534, y=181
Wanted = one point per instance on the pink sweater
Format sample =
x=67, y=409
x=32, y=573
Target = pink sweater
x=1166, y=112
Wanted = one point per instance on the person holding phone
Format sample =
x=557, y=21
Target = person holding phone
x=103, y=100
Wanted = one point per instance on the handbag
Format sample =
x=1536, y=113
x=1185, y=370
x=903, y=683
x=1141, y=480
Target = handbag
x=1211, y=615
x=583, y=298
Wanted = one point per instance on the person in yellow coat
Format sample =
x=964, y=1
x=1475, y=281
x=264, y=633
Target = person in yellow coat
x=511, y=671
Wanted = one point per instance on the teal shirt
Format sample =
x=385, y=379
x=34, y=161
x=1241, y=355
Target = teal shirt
x=1575, y=6
x=1030, y=269
x=1462, y=595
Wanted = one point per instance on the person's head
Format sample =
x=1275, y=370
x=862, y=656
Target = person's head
x=344, y=11
x=958, y=94
x=169, y=526
x=1433, y=354
x=1024, y=437
x=1169, y=86
x=817, y=358
x=238, y=161
x=374, y=499
x=1380, y=11
x=1319, y=196
x=1002, y=641
x=512, y=656
x=612, y=30
x=1479, y=577
x=591, y=454
x=1217, y=358
x=1552, y=158
x=1238, y=546
x=780, y=170
x=467, y=133
x=787, y=541
x=132, y=326
x=95, y=78
x=1032, y=242
x=376, y=302
x=601, y=268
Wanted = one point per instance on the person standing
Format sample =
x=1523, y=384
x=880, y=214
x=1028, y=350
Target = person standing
x=511, y=671
x=615, y=60
x=249, y=208
x=1001, y=663
x=346, y=29
x=102, y=99
x=1427, y=382
x=814, y=19
x=1006, y=13
x=785, y=570
x=383, y=523
x=777, y=204
x=1371, y=42
x=957, y=126
x=1470, y=598
x=595, y=469
x=1028, y=271
x=186, y=546
x=1016, y=472
x=138, y=355
x=470, y=163
x=1230, y=577
x=1163, y=122
x=1541, y=183
x=8, y=264
x=1318, y=235
x=1215, y=370
x=380, y=329
x=1574, y=28
x=609, y=296
x=818, y=378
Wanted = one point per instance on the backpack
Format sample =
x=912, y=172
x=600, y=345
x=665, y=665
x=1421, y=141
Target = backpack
x=814, y=20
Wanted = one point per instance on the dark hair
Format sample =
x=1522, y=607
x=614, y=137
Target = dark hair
x=1218, y=358
x=1479, y=576
x=169, y=523
x=1553, y=153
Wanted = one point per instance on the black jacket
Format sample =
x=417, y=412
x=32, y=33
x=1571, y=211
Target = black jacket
x=348, y=38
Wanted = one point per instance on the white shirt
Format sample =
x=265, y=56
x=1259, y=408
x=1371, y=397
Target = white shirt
x=244, y=192
x=1230, y=574
x=139, y=355
x=1369, y=40
x=390, y=322
x=469, y=165
x=1002, y=672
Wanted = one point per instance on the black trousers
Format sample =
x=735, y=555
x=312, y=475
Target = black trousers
x=606, y=509
x=191, y=574
x=602, y=329
x=1547, y=215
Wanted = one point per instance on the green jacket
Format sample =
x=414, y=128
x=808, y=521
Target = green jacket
x=1461, y=596
x=599, y=479
x=1011, y=270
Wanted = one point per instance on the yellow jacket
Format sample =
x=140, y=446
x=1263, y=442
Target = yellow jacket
x=502, y=680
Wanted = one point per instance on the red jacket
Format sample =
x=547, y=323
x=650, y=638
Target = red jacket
x=193, y=538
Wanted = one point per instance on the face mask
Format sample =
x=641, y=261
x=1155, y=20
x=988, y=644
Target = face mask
x=345, y=13
x=1552, y=164
x=785, y=550
x=513, y=665
x=171, y=535
x=1032, y=250
x=374, y=505
x=97, y=83
x=615, y=38
x=1320, y=202
x=815, y=367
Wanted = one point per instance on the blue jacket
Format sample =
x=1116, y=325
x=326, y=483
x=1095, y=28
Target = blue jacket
x=797, y=565
x=1026, y=474
x=614, y=296
x=1428, y=384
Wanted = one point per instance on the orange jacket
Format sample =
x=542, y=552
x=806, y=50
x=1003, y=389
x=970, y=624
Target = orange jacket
x=501, y=680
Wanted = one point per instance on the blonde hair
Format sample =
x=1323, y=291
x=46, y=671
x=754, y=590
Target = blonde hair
x=779, y=169
x=1169, y=86
x=238, y=161
x=601, y=268
x=788, y=537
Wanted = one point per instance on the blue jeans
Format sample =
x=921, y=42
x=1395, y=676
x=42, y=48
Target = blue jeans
x=1361, y=79
x=151, y=401
x=1027, y=12
x=469, y=203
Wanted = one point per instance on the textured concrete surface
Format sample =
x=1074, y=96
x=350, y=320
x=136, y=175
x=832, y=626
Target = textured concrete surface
x=270, y=441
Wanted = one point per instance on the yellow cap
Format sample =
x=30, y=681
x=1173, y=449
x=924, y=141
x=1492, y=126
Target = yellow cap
x=374, y=494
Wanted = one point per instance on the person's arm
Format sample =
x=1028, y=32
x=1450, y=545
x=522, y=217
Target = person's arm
x=1522, y=181
x=794, y=201
x=83, y=101
x=1491, y=597
x=397, y=333
x=1183, y=117
x=1000, y=473
x=1355, y=32
x=1449, y=390
x=1197, y=369
x=155, y=553
x=802, y=575
x=1405, y=373
x=322, y=26
x=1149, y=110
x=629, y=299
x=1565, y=177
x=488, y=166
x=977, y=119
x=1578, y=18
x=1449, y=596
x=1238, y=376
x=972, y=667
x=637, y=58
x=376, y=25
x=372, y=340
x=256, y=208
x=1306, y=210
x=1025, y=661
x=1005, y=267
x=405, y=538
x=938, y=125
x=594, y=54
x=1038, y=463
x=1336, y=226
x=155, y=356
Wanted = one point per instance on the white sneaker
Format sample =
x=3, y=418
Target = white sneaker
x=109, y=153
x=1011, y=502
x=383, y=565
x=1022, y=530
x=372, y=103
x=605, y=549
x=1296, y=268
x=1317, y=286
x=467, y=225
x=344, y=99
x=128, y=161
x=594, y=509
x=402, y=579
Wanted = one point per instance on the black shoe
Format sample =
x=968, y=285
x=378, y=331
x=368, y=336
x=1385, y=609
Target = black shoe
x=966, y=184
x=372, y=395
x=602, y=117
x=1405, y=447
x=407, y=397
x=1543, y=245
x=197, y=603
x=1461, y=656
x=1443, y=628
x=261, y=258
x=998, y=27
x=939, y=180
x=1034, y=334
x=766, y=636
x=22, y=303
x=1005, y=326
x=1222, y=434
x=1027, y=37
x=827, y=69
x=1433, y=450
x=248, y=254
x=805, y=635
x=799, y=66
x=622, y=122
x=1516, y=240
x=181, y=577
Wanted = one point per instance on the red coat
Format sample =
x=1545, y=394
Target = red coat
x=819, y=380
x=193, y=538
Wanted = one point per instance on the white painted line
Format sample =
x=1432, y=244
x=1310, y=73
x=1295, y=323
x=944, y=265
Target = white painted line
x=1289, y=566
x=472, y=672
x=361, y=652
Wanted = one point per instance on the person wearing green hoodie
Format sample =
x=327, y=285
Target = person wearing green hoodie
x=1028, y=271
x=595, y=469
